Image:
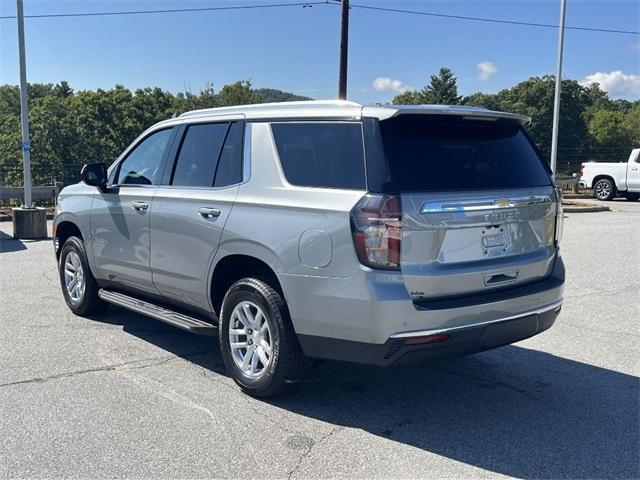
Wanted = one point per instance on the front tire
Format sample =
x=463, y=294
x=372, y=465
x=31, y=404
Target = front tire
x=258, y=344
x=604, y=189
x=79, y=287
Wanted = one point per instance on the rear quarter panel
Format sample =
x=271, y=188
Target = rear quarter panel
x=272, y=220
x=617, y=171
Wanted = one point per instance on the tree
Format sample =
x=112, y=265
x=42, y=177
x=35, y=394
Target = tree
x=10, y=151
x=581, y=137
x=274, y=95
x=612, y=133
x=631, y=124
x=39, y=90
x=9, y=100
x=63, y=89
x=442, y=89
x=485, y=100
x=606, y=126
x=410, y=97
x=534, y=97
x=70, y=128
x=238, y=93
x=207, y=97
x=188, y=101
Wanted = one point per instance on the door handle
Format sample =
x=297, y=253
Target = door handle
x=140, y=206
x=207, y=212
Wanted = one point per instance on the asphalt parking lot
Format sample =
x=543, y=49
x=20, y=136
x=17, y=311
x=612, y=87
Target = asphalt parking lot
x=125, y=396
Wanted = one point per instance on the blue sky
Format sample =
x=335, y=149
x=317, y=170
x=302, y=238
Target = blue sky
x=296, y=49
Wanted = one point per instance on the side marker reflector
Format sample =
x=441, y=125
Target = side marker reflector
x=426, y=339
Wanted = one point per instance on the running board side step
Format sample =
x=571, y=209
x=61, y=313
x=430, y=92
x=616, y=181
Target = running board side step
x=163, y=314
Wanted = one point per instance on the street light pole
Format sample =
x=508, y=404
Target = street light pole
x=344, y=50
x=28, y=221
x=556, y=99
x=24, y=110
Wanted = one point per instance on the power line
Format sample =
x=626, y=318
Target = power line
x=489, y=20
x=323, y=2
x=171, y=10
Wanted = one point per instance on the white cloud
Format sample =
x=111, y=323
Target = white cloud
x=486, y=70
x=617, y=84
x=386, y=84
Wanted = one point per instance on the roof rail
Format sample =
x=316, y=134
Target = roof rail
x=256, y=107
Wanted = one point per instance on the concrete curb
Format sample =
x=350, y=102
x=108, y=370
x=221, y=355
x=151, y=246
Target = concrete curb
x=583, y=207
x=577, y=196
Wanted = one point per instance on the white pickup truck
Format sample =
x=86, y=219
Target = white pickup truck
x=609, y=180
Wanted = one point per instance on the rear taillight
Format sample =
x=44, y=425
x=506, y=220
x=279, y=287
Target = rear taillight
x=376, y=224
x=559, y=215
x=581, y=170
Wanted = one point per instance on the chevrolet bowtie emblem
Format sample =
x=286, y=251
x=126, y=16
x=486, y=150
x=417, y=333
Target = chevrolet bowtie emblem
x=502, y=202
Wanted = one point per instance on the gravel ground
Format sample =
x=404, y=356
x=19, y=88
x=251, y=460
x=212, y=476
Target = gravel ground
x=124, y=396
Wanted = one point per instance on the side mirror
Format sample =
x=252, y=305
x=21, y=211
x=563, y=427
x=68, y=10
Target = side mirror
x=95, y=174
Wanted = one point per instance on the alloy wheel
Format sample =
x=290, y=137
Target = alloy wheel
x=603, y=190
x=250, y=339
x=74, y=280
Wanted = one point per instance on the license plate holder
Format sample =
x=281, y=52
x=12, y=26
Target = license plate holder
x=494, y=240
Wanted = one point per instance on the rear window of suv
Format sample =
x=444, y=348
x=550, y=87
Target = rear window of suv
x=433, y=152
x=321, y=154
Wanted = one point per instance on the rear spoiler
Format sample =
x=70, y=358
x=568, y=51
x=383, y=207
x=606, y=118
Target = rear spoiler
x=391, y=111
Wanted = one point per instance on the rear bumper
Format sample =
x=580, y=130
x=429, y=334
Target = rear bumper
x=367, y=318
x=459, y=341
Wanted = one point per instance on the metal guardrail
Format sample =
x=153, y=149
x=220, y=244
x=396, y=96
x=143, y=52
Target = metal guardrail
x=11, y=176
x=49, y=192
x=47, y=183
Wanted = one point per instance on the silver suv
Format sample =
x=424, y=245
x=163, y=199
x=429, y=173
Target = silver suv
x=328, y=229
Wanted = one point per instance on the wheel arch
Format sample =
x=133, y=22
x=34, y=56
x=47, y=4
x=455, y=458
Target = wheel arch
x=232, y=268
x=603, y=176
x=62, y=231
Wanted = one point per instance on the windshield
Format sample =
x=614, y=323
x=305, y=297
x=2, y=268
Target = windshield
x=445, y=152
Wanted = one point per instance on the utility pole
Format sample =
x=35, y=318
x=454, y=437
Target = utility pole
x=344, y=50
x=556, y=99
x=28, y=222
x=24, y=110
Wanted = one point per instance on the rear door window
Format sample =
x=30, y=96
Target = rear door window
x=198, y=155
x=321, y=154
x=229, y=171
x=432, y=153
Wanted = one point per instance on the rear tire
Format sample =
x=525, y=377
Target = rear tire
x=632, y=196
x=257, y=340
x=79, y=287
x=604, y=189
